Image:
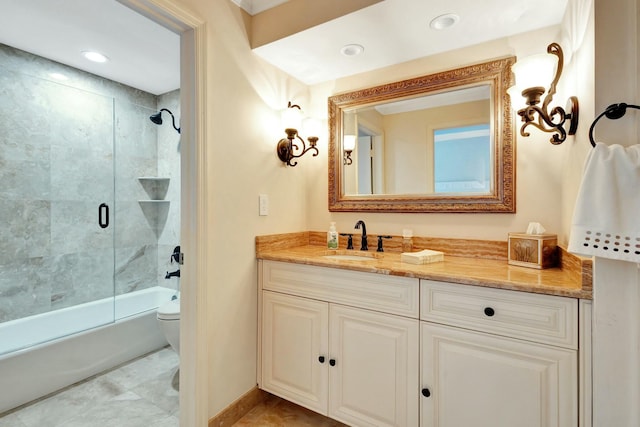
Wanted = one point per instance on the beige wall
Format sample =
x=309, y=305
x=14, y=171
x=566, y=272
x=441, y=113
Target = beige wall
x=541, y=167
x=294, y=16
x=616, y=325
x=243, y=96
x=408, y=142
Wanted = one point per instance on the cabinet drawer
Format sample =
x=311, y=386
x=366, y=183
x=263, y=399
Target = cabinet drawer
x=540, y=318
x=387, y=294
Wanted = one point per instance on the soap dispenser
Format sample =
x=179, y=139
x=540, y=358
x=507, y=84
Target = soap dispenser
x=332, y=237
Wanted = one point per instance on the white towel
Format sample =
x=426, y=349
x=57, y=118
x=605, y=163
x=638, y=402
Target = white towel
x=606, y=220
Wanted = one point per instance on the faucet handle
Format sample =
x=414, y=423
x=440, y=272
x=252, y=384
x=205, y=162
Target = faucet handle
x=349, y=240
x=380, y=249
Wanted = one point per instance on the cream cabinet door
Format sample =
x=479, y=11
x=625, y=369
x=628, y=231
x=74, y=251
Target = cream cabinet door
x=294, y=349
x=373, y=372
x=482, y=380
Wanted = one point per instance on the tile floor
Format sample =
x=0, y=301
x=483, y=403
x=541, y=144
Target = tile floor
x=276, y=412
x=140, y=393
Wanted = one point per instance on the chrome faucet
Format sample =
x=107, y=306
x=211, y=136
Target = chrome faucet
x=363, y=246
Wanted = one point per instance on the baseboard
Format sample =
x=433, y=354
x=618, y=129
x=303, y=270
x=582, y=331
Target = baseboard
x=239, y=408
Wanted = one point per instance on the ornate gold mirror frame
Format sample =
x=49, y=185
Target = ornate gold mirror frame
x=501, y=197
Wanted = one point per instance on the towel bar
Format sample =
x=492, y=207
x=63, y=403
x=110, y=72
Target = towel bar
x=613, y=112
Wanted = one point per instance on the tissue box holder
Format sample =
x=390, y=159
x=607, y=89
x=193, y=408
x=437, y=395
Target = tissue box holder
x=533, y=250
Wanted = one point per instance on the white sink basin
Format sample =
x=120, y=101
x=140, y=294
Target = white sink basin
x=346, y=256
x=349, y=257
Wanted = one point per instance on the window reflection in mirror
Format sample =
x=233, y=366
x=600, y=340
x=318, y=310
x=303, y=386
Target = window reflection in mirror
x=395, y=151
x=462, y=159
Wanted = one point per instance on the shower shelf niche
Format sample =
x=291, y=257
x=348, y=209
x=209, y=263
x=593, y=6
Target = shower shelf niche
x=156, y=212
x=155, y=209
x=155, y=186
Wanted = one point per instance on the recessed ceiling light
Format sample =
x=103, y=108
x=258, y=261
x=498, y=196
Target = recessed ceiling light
x=352, y=50
x=58, y=76
x=94, y=56
x=444, y=21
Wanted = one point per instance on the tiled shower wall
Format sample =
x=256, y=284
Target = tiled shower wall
x=169, y=167
x=64, y=149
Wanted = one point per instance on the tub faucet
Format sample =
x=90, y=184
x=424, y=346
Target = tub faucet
x=363, y=246
x=172, y=274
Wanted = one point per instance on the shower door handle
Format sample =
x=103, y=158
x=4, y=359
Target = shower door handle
x=103, y=215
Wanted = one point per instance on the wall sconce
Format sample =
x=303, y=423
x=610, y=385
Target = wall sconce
x=286, y=149
x=349, y=144
x=529, y=75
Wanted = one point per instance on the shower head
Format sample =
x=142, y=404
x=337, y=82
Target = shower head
x=157, y=118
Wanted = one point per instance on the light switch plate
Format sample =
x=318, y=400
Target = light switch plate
x=263, y=202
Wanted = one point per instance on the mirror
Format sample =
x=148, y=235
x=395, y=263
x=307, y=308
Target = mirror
x=437, y=143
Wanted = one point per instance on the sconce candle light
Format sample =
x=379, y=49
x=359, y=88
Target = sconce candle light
x=349, y=142
x=542, y=117
x=286, y=148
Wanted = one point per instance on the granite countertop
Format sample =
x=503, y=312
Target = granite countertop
x=569, y=280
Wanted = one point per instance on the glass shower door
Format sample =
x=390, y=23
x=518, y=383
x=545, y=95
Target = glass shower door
x=147, y=197
x=143, y=208
x=56, y=209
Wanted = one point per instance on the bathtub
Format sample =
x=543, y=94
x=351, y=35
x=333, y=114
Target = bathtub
x=33, y=370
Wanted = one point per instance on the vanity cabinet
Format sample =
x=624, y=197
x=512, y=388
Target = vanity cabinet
x=342, y=343
x=371, y=349
x=499, y=358
x=294, y=349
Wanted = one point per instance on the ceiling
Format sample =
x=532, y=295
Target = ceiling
x=141, y=53
x=396, y=31
x=254, y=7
x=146, y=56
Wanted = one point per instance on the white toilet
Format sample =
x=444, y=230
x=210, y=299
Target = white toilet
x=169, y=320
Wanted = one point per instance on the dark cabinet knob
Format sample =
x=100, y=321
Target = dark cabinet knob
x=321, y=359
x=426, y=392
x=488, y=311
x=332, y=362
